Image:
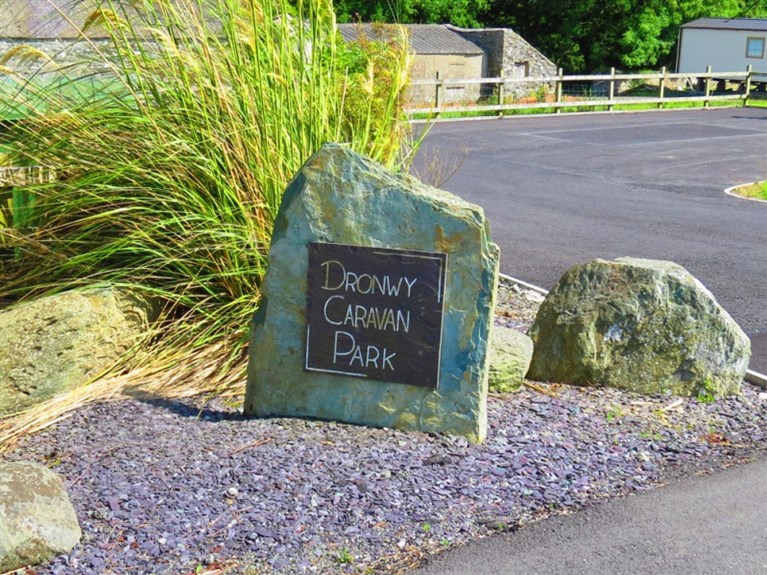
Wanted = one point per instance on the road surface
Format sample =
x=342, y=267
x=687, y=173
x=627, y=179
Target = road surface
x=564, y=190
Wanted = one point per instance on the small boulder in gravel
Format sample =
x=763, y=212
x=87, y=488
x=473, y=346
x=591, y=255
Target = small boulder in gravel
x=641, y=325
x=55, y=343
x=510, y=354
x=37, y=520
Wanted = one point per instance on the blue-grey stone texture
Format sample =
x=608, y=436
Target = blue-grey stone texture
x=341, y=197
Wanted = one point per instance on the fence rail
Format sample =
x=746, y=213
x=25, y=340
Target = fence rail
x=553, y=91
x=12, y=176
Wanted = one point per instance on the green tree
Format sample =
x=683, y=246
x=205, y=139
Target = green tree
x=457, y=12
x=652, y=31
x=372, y=10
x=579, y=35
x=593, y=35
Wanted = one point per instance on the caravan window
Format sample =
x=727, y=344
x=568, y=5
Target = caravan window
x=755, y=48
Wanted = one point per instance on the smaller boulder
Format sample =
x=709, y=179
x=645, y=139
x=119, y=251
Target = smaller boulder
x=37, y=520
x=56, y=343
x=510, y=354
x=641, y=325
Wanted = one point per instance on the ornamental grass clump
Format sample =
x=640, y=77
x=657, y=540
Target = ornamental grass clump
x=169, y=174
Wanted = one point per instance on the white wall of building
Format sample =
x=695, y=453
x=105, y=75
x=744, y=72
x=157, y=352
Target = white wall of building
x=723, y=50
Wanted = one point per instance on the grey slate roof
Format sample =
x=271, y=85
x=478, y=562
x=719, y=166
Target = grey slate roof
x=424, y=38
x=39, y=19
x=747, y=24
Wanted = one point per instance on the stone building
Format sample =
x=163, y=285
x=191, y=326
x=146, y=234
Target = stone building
x=438, y=52
x=52, y=29
x=55, y=28
x=43, y=19
x=510, y=56
x=452, y=53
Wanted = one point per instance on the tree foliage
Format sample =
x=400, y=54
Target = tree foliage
x=651, y=32
x=579, y=35
x=458, y=12
x=592, y=35
x=576, y=34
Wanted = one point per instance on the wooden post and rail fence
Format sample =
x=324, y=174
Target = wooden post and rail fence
x=12, y=176
x=559, y=100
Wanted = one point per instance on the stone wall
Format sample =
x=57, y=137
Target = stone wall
x=492, y=42
x=60, y=53
x=65, y=19
x=511, y=56
x=52, y=28
x=45, y=19
x=449, y=66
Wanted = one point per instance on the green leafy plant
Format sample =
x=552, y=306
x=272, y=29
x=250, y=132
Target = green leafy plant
x=615, y=412
x=651, y=435
x=706, y=391
x=345, y=556
x=6, y=207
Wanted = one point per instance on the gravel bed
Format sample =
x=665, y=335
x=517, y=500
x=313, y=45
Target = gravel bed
x=188, y=486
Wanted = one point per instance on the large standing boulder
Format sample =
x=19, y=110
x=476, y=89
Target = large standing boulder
x=53, y=344
x=641, y=325
x=37, y=520
x=430, y=374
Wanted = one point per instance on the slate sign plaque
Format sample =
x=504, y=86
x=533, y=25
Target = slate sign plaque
x=375, y=313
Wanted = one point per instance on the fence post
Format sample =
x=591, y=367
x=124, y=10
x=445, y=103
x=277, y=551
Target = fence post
x=558, y=91
x=708, y=87
x=501, y=85
x=437, y=93
x=662, y=86
x=612, y=90
x=748, y=84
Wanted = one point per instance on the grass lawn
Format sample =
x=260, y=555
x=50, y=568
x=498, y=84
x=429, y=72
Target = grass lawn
x=19, y=99
x=756, y=191
x=578, y=108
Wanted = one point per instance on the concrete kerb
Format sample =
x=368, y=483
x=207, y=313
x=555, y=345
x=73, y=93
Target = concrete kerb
x=524, y=284
x=756, y=378
x=752, y=377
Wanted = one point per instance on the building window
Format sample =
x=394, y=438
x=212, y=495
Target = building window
x=521, y=69
x=755, y=48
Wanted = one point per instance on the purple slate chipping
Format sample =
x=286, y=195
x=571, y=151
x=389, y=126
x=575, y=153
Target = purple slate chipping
x=178, y=467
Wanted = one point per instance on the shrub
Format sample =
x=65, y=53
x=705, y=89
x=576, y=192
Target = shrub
x=170, y=174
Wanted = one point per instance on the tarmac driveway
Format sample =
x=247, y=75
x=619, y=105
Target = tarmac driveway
x=568, y=189
x=709, y=525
